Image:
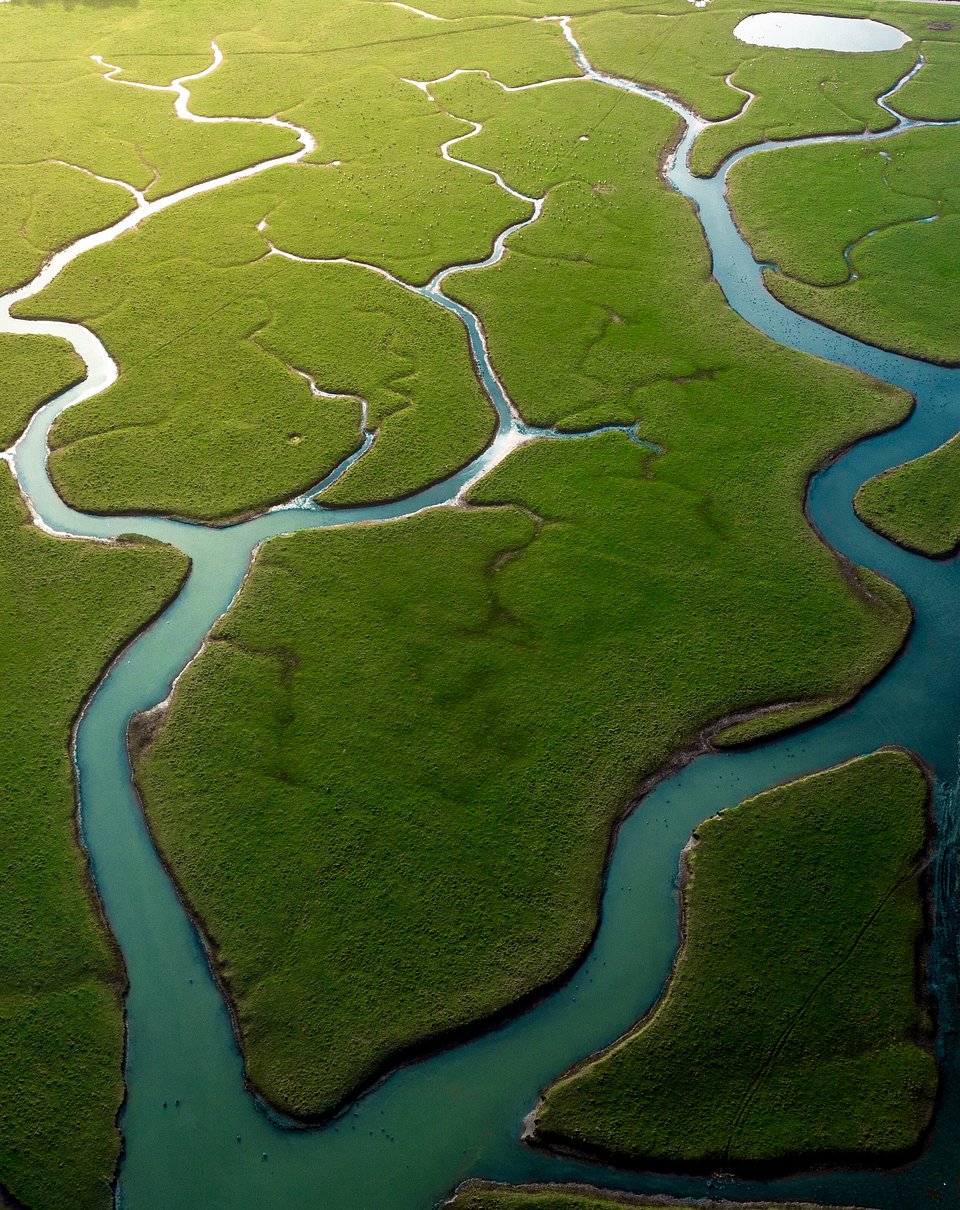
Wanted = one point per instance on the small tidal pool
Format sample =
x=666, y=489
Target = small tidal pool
x=806, y=31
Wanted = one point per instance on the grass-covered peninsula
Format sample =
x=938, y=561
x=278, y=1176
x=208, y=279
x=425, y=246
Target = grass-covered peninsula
x=794, y=1026
x=68, y=607
x=480, y=1195
x=918, y=503
x=867, y=236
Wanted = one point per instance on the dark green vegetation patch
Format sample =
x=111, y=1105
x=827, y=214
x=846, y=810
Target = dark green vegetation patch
x=918, y=503
x=411, y=742
x=791, y=1027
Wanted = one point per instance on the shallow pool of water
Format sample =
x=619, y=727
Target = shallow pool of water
x=808, y=31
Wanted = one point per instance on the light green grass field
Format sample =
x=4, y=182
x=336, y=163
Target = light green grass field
x=68, y=125
x=68, y=606
x=691, y=54
x=933, y=92
x=392, y=199
x=376, y=189
x=816, y=885
x=44, y=206
x=65, y=111
x=215, y=433
x=210, y=415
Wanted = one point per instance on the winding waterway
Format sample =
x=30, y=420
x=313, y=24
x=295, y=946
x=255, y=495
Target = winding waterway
x=193, y=1136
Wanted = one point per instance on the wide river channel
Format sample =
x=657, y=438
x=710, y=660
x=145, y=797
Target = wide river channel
x=193, y=1135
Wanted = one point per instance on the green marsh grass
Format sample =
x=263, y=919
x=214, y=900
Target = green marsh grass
x=933, y=93
x=209, y=417
x=793, y=1027
x=31, y=372
x=917, y=504
x=69, y=605
x=67, y=112
x=895, y=284
x=691, y=53
x=45, y=206
x=429, y=729
x=390, y=199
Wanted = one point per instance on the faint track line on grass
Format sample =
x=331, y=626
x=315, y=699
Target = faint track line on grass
x=621, y=93
x=784, y=1036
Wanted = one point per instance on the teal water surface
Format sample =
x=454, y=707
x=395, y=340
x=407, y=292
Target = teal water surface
x=193, y=1136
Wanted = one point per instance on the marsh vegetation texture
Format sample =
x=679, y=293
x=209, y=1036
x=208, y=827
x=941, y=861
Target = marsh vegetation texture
x=351, y=253
x=794, y=1000
x=478, y=1196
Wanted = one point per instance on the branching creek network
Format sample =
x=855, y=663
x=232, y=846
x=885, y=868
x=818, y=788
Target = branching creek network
x=411, y=1139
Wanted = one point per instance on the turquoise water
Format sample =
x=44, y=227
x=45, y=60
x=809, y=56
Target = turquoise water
x=194, y=1137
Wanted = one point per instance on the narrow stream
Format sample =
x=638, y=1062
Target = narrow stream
x=194, y=1137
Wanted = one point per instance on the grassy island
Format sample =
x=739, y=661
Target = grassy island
x=481, y=1195
x=794, y=1027
x=918, y=503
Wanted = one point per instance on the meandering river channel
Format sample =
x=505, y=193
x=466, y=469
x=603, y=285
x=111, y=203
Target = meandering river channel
x=193, y=1136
